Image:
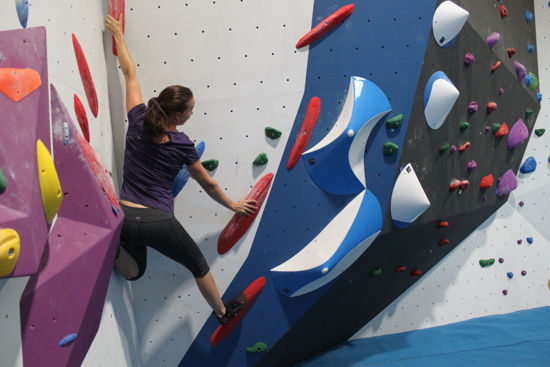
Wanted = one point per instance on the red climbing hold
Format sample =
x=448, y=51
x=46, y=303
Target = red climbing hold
x=116, y=9
x=491, y=107
x=495, y=67
x=486, y=182
x=400, y=268
x=443, y=224
x=444, y=242
x=99, y=170
x=511, y=52
x=502, y=131
x=455, y=184
x=251, y=293
x=464, y=184
x=81, y=117
x=16, y=84
x=464, y=146
x=312, y=114
x=239, y=224
x=503, y=11
x=416, y=273
x=86, y=77
x=326, y=25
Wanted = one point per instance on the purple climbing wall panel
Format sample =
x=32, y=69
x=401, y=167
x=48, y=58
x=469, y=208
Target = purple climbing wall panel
x=23, y=123
x=67, y=295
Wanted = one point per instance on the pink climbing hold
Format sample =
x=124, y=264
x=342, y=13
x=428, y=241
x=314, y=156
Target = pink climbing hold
x=487, y=182
x=464, y=146
x=507, y=183
x=469, y=59
x=518, y=134
x=495, y=67
x=453, y=148
x=521, y=71
x=491, y=107
x=473, y=107
x=472, y=165
x=500, y=91
x=511, y=52
x=502, y=131
x=493, y=39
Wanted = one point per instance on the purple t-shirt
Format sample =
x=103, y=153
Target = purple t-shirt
x=150, y=168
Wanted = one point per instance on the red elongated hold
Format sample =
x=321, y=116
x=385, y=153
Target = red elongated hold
x=511, y=52
x=486, y=182
x=491, y=107
x=116, y=9
x=443, y=224
x=86, y=77
x=326, y=25
x=455, y=184
x=495, y=67
x=240, y=223
x=443, y=242
x=503, y=11
x=464, y=146
x=99, y=170
x=464, y=184
x=81, y=117
x=503, y=131
x=16, y=84
x=312, y=115
x=400, y=268
x=416, y=273
x=251, y=293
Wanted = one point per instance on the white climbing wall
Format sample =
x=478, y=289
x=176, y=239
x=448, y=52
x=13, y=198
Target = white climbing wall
x=458, y=288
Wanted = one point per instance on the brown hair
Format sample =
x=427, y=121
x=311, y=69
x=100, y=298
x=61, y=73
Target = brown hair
x=174, y=98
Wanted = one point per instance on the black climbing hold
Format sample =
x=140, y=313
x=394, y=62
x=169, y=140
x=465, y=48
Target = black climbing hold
x=311, y=161
x=272, y=133
x=260, y=160
x=210, y=164
x=395, y=122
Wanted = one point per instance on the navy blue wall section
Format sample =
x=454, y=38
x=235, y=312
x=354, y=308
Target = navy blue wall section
x=383, y=41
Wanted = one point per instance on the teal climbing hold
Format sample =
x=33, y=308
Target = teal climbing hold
x=540, y=132
x=260, y=160
x=259, y=347
x=395, y=122
x=464, y=126
x=390, y=148
x=210, y=164
x=485, y=263
x=272, y=133
x=3, y=182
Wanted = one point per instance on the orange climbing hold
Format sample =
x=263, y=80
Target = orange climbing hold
x=495, y=67
x=464, y=146
x=81, y=117
x=444, y=242
x=16, y=84
x=503, y=11
x=486, y=182
x=502, y=131
x=443, y=224
x=491, y=107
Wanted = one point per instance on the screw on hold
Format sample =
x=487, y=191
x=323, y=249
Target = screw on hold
x=521, y=203
x=3, y=182
x=505, y=292
x=495, y=128
x=523, y=273
x=443, y=224
x=500, y=91
x=529, y=165
x=540, y=132
x=487, y=262
x=444, y=148
x=501, y=260
x=210, y=164
x=453, y=148
x=390, y=148
x=464, y=125
x=395, y=122
x=539, y=97
x=311, y=161
x=530, y=240
x=443, y=242
x=528, y=16
x=259, y=347
x=531, y=81
x=442, y=39
x=376, y=272
x=493, y=39
x=472, y=165
x=455, y=184
x=510, y=275
x=260, y=160
x=503, y=11
x=272, y=133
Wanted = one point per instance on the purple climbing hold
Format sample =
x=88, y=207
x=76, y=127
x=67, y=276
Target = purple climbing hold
x=523, y=272
x=454, y=149
x=521, y=71
x=519, y=242
x=521, y=203
x=472, y=165
x=473, y=107
x=505, y=292
x=507, y=183
x=469, y=59
x=510, y=275
x=500, y=91
x=518, y=134
x=501, y=260
x=530, y=240
x=493, y=39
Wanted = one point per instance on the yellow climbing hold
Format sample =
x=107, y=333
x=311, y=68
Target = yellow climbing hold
x=49, y=182
x=10, y=245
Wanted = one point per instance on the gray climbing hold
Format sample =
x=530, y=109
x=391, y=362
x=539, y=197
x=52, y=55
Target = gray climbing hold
x=507, y=183
x=518, y=134
x=529, y=165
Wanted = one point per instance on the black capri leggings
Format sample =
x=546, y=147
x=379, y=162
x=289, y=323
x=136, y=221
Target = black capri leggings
x=160, y=230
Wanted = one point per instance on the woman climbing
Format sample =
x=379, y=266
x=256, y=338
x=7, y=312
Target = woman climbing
x=154, y=154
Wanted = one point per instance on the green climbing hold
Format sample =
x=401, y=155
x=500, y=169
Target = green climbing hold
x=272, y=133
x=390, y=148
x=210, y=164
x=495, y=128
x=485, y=263
x=528, y=112
x=376, y=272
x=395, y=122
x=444, y=148
x=534, y=81
x=464, y=126
x=538, y=132
x=3, y=182
x=260, y=160
x=259, y=347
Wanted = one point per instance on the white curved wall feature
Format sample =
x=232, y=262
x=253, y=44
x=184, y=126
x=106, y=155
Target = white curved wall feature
x=336, y=163
x=447, y=23
x=342, y=241
x=439, y=98
x=408, y=199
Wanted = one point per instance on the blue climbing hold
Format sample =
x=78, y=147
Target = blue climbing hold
x=530, y=240
x=528, y=16
x=67, y=340
x=510, y=275
x=528, y=79
x=530, y=48
x=539, y=97
x=183, y=175
x=529, y=165
x=22, y=11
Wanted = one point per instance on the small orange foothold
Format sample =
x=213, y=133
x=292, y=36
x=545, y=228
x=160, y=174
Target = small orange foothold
x=464, y=146
x=443, y=224
x=443, y=242
x=511, y=52
x=502, y=131
x=491, y=107
x=416, y=273
x=401, y=268
x=486, y=182
x=495, y=67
